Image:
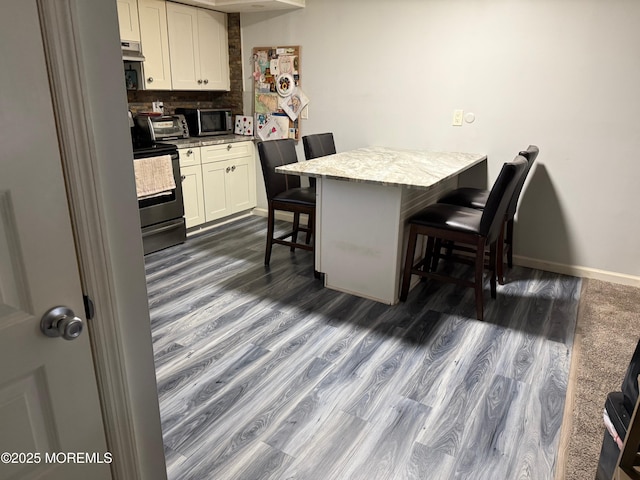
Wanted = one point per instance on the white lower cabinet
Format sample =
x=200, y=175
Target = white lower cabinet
x=214, y=178
x=192, y=188
x=193, y=194
x=218, y=181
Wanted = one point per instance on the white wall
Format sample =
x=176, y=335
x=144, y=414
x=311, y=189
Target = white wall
x=563, y=75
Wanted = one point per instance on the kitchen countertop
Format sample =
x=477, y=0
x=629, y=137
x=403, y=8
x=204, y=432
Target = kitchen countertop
x=387, y=166
x=192, y=142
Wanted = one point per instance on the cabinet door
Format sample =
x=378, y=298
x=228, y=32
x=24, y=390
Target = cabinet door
x=193, y=195
x=184, y=50
x=214, y=50
x=242, y=184
x=155, y=44
x=128, y=20
x=214, y=179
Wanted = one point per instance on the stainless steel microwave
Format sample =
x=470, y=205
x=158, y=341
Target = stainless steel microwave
x=207, y=121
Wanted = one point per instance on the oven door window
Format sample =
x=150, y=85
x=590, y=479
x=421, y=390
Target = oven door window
x=165, y=127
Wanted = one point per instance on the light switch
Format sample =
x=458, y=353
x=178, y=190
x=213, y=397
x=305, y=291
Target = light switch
x=457, y=118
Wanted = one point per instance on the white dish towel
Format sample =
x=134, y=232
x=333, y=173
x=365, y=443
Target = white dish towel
x=154, y=176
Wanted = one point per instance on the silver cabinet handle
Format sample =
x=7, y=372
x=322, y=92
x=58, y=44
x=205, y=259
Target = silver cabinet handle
x=229, y=146
x=233, y=168
x=61, y=322
x=228, y=169
x=189, y=152
x=150, y=79
x=206, y=81
x=199, y=82
x=182, y=177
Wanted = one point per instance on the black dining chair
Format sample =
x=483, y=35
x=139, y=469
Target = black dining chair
x=284, y=193
x=463, y=225
x=318, y=145
x=477, y=198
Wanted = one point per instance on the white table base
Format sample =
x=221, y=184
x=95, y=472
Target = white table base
x=360, y=234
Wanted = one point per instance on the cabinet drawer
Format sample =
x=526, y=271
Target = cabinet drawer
x=189, y=156
x=226, y=151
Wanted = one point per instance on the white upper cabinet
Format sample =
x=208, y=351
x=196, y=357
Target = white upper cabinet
x=128, y=20
x=155, y=44
x=198, y=48
x=214, y=49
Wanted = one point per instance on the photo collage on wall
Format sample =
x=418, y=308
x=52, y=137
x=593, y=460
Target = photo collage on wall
x=279, y=99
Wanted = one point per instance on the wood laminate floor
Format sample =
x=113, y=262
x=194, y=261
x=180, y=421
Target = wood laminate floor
x=264, y=374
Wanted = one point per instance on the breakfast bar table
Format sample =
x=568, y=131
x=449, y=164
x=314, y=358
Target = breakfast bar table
x=364, y=198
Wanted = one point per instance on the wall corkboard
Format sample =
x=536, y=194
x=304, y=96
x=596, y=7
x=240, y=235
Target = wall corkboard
x=278, y=96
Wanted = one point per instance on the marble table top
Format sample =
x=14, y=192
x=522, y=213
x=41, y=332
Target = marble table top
x=387, y=166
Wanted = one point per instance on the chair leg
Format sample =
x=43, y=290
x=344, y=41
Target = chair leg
x=509, y=241
x=296, y=226
x=450, y=245
x=428, y=255
x=408, y=263
x=492, y=267
x=270, y=221
x=479, y=293
x=435, y=258
x=500, y=256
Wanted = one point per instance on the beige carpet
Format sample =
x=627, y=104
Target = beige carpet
x=607, y=331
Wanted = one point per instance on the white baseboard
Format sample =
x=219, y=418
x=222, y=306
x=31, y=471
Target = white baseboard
x=575, y=270
x=209, y=226
x=578, y=271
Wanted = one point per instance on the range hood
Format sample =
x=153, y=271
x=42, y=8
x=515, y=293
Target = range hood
x=131, y=51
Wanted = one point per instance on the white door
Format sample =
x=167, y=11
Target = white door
x=50, y=419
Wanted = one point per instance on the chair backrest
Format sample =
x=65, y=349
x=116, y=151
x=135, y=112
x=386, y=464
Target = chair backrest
x=275, y=153
x=318, y=145
x=500, y=196
x=530, y=155
x=630, y=382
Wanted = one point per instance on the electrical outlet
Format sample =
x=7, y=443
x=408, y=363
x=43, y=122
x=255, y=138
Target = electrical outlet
x=458, y=115
x=158, y=107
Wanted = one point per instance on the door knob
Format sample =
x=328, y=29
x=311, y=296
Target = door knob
x=206, y=81
x=150, y=79
x=61, y=322
x=199, y=82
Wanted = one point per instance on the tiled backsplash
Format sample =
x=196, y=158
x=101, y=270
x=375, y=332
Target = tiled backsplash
x=141, y=100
